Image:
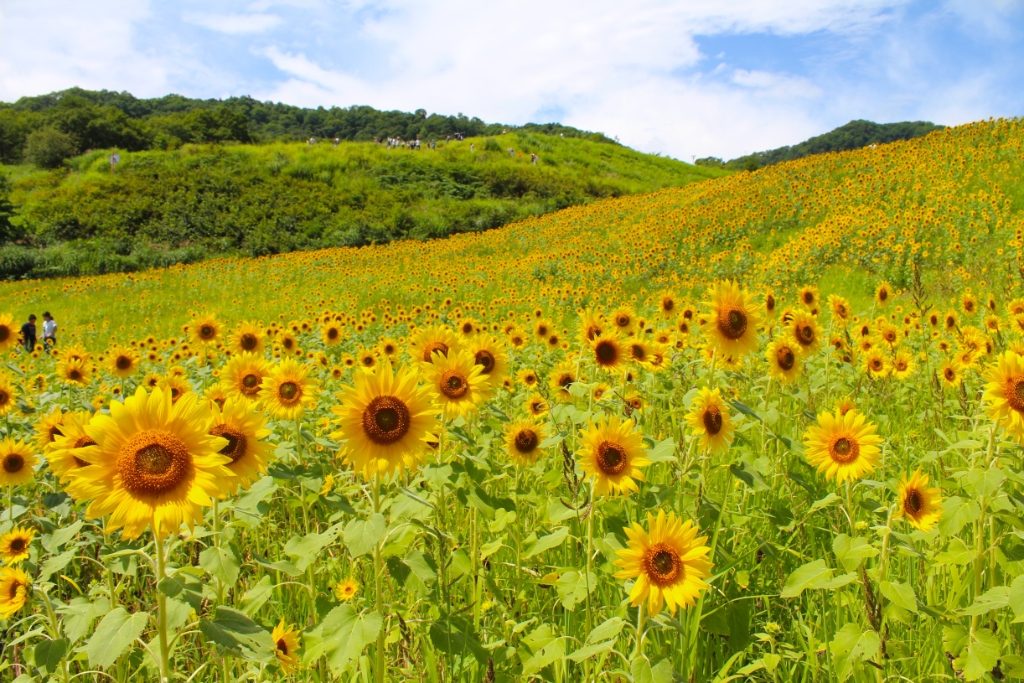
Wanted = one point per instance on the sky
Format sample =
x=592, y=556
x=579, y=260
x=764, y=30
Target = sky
x=683, y=78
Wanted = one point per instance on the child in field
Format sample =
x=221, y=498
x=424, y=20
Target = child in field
x=49, y=330
x=28, y=333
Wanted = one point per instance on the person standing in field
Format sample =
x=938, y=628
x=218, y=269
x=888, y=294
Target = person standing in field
x=28, y=333
x=49, y=330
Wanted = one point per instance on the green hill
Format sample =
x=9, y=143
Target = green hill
x=156, y=208
x=853, y=135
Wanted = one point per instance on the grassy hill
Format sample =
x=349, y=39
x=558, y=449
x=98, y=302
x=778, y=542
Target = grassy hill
x=158, y=208
x=946, y=207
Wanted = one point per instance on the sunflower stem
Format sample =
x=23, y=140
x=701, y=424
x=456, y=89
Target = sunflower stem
x=378, y=592
x=161, y=606
x=638, y=650
x=55, y=625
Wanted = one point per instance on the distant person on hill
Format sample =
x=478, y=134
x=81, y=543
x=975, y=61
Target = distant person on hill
x=49, y=330
x=28, y=333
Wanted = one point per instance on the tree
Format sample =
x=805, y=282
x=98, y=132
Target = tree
x=48, y=147
x=8, y=231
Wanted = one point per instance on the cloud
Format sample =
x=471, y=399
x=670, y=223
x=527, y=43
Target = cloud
x=234, y=24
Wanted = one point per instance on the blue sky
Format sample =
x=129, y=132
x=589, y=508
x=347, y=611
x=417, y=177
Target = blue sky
x=687, y=78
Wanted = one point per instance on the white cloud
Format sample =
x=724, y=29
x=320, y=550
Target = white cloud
x=233, y=24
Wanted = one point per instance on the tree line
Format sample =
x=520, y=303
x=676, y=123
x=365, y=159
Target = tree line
x=48, y=129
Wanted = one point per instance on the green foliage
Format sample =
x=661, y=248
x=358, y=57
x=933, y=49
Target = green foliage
x=8, y=232
x=49, y=147
x=158, y=208
x=853, y=135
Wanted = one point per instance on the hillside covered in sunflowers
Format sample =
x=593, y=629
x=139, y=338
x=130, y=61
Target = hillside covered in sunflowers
x=762, y=427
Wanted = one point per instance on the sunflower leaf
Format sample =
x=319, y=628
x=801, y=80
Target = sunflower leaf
x=222, y=563
x=362, y=535
x=341, y=637
x=815, y=574
x=235, y=632
x=552, y=540
x=115, y=632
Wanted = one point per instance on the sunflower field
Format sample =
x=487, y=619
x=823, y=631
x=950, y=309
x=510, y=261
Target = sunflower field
x=763, y=427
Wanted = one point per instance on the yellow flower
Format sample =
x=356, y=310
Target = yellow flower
x=458, y=383
x=14, y=545
x=522, y=441
x=247, y=338
x=842, y=447
x=384, y=420
x=62, y=457
x=246, y=434
x=346, y=589
x=123, y=361
x=612, y=453
x=920, y=504
x=806, y=332
x=491, y=356
x=8, y=332
x=7, y=394
x=431, y=340
x=286, y=391
x=710, y=421
x=732, y=320
x=243, y=374
x=784, y=362
x=17, y=460
x=669, y=562
x=286, y=646
x=204, y=329
x=153, y=462
x=1004, y=393
x=14, y=585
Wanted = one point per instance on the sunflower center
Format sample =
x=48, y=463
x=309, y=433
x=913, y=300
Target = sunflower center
x=332, y=333
x=17, y=545
x=712, y=419
x=236, y=446
x=844, y=450
x=565, y=381
x=769, y=303
x=15, y=590
x=5, y=333
x=611, y=458
x=732, y=323
x=386, y=420
x=785, y=358
x=663, y=565
x=913, y=503
x=606, y=353
x=526, y=441
x=282, y=646
x=123, y=363
x=429, y=349
x=638, y=351
x=75, y=375
x=289, y=392
x=949, y=374
x=4, y=397
x=1015, y=393
x=484, y=359
x=13, y=463
x=248, y=342
x=251, y=384
x=805, y=334
x=453, y=384
x=55, y=432
x=207, y=332
x=154, y=462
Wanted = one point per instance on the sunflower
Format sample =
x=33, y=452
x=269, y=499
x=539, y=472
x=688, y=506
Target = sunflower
x=247, y=338
x=286, y=646
x=522, y=441
x=122, y=361
x=491, y=356
x=74, y=370
x=806, y=332
x=346, y=589
x=784, y=362
x=876, y=364
x=154, y=462
x=6, y=395
x=527, y=377
x=840, y=308
x=562, y=377
x=204, y=329
x=609, y=352
x=669, y=563
x=286, y=391
x=8, y=332
x=951, y=373
x=14, y=585
x=1004, y=393
x=243, y=374
x=710, y=421
x=842, y=447
x=62, y=457
x=331, y=334
x=920, y=504
x=246, y=434
x=902, y=365
x=808, y=296
x=384, y=420
x=17, y=462
x=432, y=339
x=175, y=386
x=623, y=319
x=537, y=405
x=458, y=383
x=732, y=326
x=14, y=545
x=49, y=428
x=883, y=293
x=612, y=453
x=591, y=324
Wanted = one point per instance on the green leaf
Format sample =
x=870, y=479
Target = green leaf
x=115, y=632
x=601, y=639
x=542, y=655
x=221, y=563
x=552, y=540
x=1016, y=599
x=305, y=550
x=572, y=588
x=341, y=637
x=663, y=451
x=361, y=536
x=900, y=594
x=851, y=552
x=815, y=574
x=980, y=656
x=49, y=653
x=957, y=553
x=257, y=596
x=851, y=646
x=235, y=632
x=822, y=503
x=55, y=563
x=60, y=536
x=77, y=616
x=454, y=635
x=992, y=599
